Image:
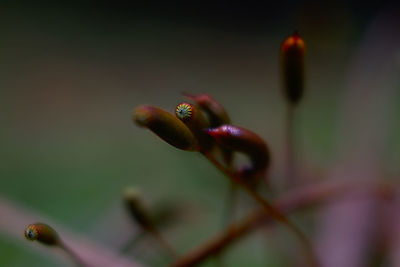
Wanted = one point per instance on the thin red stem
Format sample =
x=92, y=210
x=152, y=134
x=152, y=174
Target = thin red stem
x=268, y=208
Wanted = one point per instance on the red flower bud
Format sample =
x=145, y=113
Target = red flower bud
x=292, y=64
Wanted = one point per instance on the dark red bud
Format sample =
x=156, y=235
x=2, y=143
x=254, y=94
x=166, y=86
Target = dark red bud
x=292, y=64
x=242, y=140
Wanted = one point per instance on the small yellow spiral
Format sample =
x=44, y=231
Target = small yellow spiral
x=184, y=111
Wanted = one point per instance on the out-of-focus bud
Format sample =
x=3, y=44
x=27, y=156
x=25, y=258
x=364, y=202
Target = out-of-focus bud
x=292, y=64
x=42, y=233
x=196, y=122
x=133, y=201
x=137, y=209
x=242, y=140
x=166, y=126
x=216, y=113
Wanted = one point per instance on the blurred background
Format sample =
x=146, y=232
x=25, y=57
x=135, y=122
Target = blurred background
x=71, y=75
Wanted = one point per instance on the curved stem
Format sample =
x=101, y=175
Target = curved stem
x=268, y=208
x=296, y=199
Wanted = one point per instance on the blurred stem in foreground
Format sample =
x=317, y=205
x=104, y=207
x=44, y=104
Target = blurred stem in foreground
x=269, y=209
x=299, y=198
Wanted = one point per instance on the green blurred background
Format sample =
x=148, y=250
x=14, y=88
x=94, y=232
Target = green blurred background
x=71, y=75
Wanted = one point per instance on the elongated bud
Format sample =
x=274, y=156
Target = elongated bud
x=42, y=233
x=216, y=113
x=242, y=140
x=292, y=64
x=166, y=126
x=133, y=201
x=196, y=122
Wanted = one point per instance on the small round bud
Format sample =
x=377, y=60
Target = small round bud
x=42, y=233
x=184, y=111
x=31, y=232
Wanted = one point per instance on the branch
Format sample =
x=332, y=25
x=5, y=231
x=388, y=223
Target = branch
x=269, y=209
x=14, y=219
x=300, y=198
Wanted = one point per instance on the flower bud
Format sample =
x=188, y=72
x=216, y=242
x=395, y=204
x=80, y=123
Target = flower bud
x=42, y=233
x=239, y=139
x=133, y=200
x=166, y=126
x=139, y=212
x=292, y=65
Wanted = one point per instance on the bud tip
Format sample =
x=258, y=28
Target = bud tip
x=31, y=233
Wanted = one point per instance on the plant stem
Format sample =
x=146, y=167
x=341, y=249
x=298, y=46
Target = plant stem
x=291, y=177
x=296, y=199
x=163, y=243
x=268, y=208
x=229, y=211
x=228, y=216
x=230, y=204
x=276, y=214
x=154, y=234
x=131, y=242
